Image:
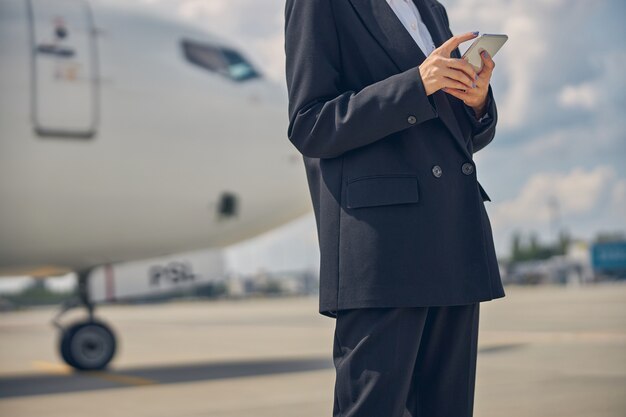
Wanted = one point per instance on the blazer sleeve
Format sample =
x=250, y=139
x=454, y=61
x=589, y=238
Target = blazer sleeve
x=482, y=132
x=325, y=120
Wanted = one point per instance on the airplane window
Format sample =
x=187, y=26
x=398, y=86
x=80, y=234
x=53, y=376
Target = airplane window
x=225, y=61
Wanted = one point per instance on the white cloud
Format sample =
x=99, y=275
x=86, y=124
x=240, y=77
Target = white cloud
x=604, y=91
x=520, y=59
x=573, y=142
x=193, y=8
x=553, y=46
x=548, y=144
x=583, y=95
x=524, y=39
x=576, y=192
x=618, y=200
x=581, y=201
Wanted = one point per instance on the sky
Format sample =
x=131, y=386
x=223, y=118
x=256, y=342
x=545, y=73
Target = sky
x=558, y=160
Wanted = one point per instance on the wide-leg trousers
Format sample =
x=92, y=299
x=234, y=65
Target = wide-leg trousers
x=405, y=362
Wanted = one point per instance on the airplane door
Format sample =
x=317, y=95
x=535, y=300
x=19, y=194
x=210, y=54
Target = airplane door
x=64, y=92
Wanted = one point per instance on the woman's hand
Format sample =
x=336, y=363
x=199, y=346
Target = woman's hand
x=476, y=98
x=439, y=71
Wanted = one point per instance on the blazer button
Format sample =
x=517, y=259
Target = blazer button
x=437, y=171
x=411, y=119
x=467, y=168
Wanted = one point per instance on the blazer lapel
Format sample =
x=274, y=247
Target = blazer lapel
x=434, y=22
x=384, y=25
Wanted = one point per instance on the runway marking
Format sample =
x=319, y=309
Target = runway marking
x=64, y=369
x=53, y=367
x=122, y=379
x=555, y=336
x=497, y=347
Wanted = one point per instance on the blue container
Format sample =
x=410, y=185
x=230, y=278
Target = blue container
x=610, y=256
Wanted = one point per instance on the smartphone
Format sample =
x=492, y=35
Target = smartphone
x=487, y=41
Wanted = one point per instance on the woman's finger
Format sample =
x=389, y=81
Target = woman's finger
x=462, y=65
x=459, y=76
x=451, y=44
x=474, y=93
x=488, y=64
x=452, y=83
x=481, y=83
x=469, y=98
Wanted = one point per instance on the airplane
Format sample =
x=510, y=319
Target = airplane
x=127, y=135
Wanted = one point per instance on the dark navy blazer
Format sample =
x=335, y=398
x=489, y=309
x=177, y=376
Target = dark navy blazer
x=400, y=214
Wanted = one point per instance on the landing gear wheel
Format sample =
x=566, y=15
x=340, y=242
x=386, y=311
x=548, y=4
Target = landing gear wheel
x=87, y=345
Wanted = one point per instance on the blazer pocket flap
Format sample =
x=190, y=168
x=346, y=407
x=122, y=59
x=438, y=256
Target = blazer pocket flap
x=381, y=190
x=483, y=193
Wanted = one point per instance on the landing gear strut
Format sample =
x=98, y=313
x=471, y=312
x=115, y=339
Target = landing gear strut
x=85, y=344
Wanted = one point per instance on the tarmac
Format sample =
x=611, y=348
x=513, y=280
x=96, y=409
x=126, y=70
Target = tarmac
x=544, y=351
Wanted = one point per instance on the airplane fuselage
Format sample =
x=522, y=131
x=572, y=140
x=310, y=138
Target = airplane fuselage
x=116, y=143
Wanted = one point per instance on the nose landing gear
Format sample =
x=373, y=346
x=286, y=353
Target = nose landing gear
x=87, y=344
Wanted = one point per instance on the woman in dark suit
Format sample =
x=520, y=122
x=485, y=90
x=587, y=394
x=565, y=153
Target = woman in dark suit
x=387, y=117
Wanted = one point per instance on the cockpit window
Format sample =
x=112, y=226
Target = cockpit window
x=225, y=61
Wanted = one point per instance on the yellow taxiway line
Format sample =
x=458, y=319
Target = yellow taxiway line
x=53, y=367
x=63, y=369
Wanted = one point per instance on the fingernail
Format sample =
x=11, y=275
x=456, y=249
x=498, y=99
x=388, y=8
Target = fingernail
x=475, y=33
x=475, y=76
x=473, y=85
x=485, y=54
